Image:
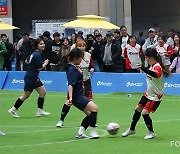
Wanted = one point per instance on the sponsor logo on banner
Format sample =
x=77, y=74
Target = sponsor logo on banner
x=15, y=81
x=171, y=85
x=46, y=81
x=134, y=84
x=106, y=84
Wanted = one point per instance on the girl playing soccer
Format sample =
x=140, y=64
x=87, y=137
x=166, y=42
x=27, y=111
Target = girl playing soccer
x=87, y=68
x=32, y=81
x=76, y=93
x=151, y=99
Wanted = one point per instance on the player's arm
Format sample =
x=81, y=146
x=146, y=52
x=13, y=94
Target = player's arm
x=44, y=65
x=149, y=72
x=70, y=92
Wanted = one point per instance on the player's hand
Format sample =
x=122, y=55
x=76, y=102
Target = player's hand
x=69, y=102
x=46, y=61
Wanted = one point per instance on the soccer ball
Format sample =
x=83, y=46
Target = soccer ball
x=113, y=128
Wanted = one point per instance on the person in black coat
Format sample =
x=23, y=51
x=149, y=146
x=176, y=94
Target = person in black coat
x=112, y=55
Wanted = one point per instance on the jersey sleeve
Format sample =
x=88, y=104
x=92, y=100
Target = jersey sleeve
x=39, y=61
x=72, y=77
x=158, y=71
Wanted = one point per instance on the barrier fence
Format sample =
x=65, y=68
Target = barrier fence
x=101, y=82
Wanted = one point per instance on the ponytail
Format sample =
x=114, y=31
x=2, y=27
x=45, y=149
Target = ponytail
x=150, y=52
x=74, y=54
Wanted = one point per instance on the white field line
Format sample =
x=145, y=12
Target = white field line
x=50, y=143
x=67, y=141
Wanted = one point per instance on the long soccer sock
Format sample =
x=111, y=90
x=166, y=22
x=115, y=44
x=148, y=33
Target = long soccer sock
x=148, y=122
x=40, y=102
x=18, y=103
x=135, y=119
x=64, y=111
x=93, y=119
x=86, y=122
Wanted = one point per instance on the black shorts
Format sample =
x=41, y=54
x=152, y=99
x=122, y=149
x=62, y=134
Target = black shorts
x=80, y=102
x=30, y=85
x=88, y=89
x=148, y=104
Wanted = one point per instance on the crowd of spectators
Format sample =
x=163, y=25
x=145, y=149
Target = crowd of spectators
x=116, y=52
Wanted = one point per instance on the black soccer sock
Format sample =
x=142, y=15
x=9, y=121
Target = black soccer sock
x=148, y=122
x=40, y=102
x=85, y=123
x=18, y=103
x=64, y=111
x=135, y=119
x=93, y=118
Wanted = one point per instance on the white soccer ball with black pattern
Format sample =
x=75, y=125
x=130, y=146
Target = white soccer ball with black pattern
x=113, y=128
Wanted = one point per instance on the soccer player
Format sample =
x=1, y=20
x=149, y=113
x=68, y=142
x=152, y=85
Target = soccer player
x=76, y=94
x=87, y=68
x=151, y=99
x=32, y=81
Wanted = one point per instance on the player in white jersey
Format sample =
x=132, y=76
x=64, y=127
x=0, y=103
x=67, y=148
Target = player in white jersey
x=165, y=51
x=132, y=53
x=87, y=68
x=151, y=99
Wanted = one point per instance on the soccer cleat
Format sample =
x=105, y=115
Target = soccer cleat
x=81, y=136
x=60, y=123
x=2, y=134
x=94, y=135
x=41, y=113
x=150, y=135
x=13, y=112
x=128, y=132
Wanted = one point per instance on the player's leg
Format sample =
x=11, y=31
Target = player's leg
x=136, y=117
x=91, y=110
x=18, y=103
x=64, y=112
x=151, y=106
x=42, y=92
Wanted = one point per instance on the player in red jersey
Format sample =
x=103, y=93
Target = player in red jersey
x=152, y=98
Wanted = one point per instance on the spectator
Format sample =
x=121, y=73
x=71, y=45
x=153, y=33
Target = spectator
x=47, y=54
x=140, y=39
x=170, y=40
x=25, y=50
x=112, y=55
x=165, y=51
x=175, y=47
x=176, y=64
x=73, y=38
x=132, y=53
x=117, y=35
x=9, y=55
x=80, y=33
x=17, y=45
x=150, y=42
x=65, y=49
x=97, y=53
x=96, y=32
x=124, y=39
x=89, y=42
x=56, y=49
x=3, y=50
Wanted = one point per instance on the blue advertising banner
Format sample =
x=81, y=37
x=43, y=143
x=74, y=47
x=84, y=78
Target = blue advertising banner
x=129, y=82
x=104, y=82
x=14, y=81
x=3, y=2
x=3, y=76
x=101, y=82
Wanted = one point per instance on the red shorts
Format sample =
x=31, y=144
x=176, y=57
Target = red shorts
x=88, y=89
x=148, y=104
